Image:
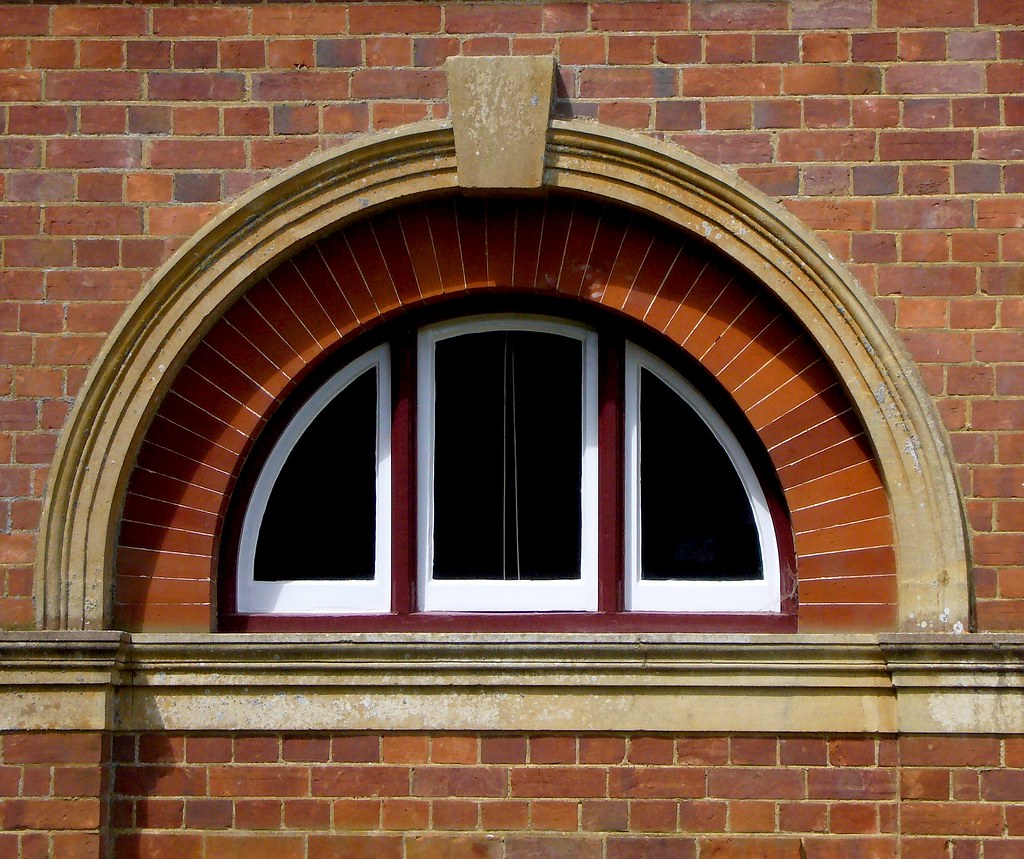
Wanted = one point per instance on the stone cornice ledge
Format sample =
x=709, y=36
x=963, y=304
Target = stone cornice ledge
x=513, y=682
x=965, y=684
x=60, y=681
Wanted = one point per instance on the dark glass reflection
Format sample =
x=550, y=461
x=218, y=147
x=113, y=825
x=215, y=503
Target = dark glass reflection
x=696, y=521
x=320, y=519
x=508, y=426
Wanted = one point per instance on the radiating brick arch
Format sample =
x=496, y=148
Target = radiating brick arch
x=564, y=246
x=348, y=191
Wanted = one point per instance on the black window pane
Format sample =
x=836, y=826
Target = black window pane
x=321, y=515
x=696, y=521
x=508, y=426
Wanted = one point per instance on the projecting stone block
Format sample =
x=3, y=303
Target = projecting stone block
x=500, y=109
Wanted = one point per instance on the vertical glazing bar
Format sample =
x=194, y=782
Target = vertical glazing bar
x=403, y=479
x=611, y=432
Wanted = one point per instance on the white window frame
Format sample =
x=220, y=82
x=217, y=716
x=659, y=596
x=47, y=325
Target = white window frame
x=315, y=597
x=488, y=595
x=374, y=597
x=704, y=597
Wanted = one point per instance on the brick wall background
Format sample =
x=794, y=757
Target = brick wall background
x=500, y=797
x=892, y=128
x=53, y=795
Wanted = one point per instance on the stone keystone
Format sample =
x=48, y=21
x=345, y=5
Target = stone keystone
x=500, y=110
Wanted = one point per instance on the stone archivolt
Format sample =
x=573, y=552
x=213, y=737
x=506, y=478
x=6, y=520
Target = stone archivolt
x=190, y=293
x=260, y=230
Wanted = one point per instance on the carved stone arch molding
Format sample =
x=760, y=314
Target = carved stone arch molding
x=190, y=293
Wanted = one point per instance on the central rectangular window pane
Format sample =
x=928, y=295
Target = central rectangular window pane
x=508, y=448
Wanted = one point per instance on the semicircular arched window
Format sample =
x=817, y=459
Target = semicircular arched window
x=505, y=465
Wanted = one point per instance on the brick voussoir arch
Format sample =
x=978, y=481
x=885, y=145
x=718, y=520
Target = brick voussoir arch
x=586, y=253
x=190, y=294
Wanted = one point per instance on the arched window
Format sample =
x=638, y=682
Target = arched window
x=553, y=467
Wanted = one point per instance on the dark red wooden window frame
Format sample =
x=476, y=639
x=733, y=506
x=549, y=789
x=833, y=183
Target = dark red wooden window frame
x=610, y=615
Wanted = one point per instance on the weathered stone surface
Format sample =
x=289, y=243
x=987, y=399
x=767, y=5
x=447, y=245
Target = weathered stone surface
x=773, y=684
x=500, y=108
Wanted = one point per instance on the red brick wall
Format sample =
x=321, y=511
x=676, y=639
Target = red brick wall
x=414, y=795
x=54, y=795
x=892, y=128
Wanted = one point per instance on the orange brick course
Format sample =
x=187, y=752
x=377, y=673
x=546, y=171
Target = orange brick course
x=414, y=795
x=54, y=795
x=892, y=128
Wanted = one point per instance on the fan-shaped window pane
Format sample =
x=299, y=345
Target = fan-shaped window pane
x=320, y=519
x=316, y=534
x=499, y=492
x=699, y=534
x=695, y=518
